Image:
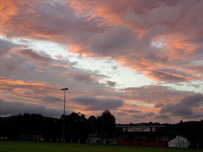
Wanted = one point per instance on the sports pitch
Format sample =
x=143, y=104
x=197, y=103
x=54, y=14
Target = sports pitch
x=15, y=146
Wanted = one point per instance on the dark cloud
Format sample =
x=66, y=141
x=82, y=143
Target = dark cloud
x=153, y=93
x=83, y=77
x=30, y=54
x=111, y=42
x=86, y=76
x=121, y=113
x=12, y=65
x=5, y=46
x=141, y=115
x=130, y=111
x=144, y=115
x=168, y=77
x=51, y=99
x=150, y=114
x=159, y=105
x=97, y=104
x=193, y=101
x=111, y=84
x=162, y=116
x=10, y=108
x=184, y=108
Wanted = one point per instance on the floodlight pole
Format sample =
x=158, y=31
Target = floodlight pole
x=64, y=112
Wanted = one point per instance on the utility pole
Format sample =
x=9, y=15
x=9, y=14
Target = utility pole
x=64, y=112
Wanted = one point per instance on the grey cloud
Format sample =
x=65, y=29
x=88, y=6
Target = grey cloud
x=97, y=104
x=193, y=101
x=111, y=84
x=5, y=46
x=85, y=100
x=130, y=111
x=120, y=40
x=167, y=77
x=156, y=58
x=141, y=115
x=114, y=67
x=184, y=108
x=73, y=28
x=161, y=94
x=51, y=99
x=10, y=108
x=144, y=115
x=194, y=85
x=121, y=113
x=12, y=65
x=159, y=105
x=29, y=53
x=162, y=116
x=86, y=76
x=150, y=114
x=175, y=71
x=80, y=80
x=111, y=42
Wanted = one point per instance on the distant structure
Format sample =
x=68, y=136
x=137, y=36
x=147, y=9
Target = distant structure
x=179, y=142
x=143, y=135
x=25, y=137
x=97, y=138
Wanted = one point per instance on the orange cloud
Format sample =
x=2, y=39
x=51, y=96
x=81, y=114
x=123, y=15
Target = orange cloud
x=60, y=65
x=93, y=29
x=7, y=10
x=24, y=92
x=20, y=82
x=113, y=13
x=152, y=94
x=20, y=87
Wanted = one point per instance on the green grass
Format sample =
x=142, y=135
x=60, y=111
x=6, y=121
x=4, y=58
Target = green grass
x=17, y=146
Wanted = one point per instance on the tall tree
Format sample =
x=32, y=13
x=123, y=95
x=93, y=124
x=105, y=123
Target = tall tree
x=77, y=126
x=92, y=123
x=106, y=124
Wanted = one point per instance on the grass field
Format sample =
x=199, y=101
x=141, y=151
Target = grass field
x=11, y=146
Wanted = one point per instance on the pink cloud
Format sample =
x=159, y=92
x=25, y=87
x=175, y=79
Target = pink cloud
x=123, y=31
x=33, y=55
x=167, y=19
x=153, y=94
x=24, y=92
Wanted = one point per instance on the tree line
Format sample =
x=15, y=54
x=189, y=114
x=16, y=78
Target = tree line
x=77, y=126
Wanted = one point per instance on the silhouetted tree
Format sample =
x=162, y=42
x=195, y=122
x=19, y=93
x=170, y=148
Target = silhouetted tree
x=92, y=122
x=77, y=126
x=106, y=124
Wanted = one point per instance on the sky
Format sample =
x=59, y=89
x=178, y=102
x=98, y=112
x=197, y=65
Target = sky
x=141, y=59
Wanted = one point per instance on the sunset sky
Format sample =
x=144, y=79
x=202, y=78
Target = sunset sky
x=141, y=59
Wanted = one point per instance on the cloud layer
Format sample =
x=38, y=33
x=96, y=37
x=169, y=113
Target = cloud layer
x=160, y=40
x=96, y=104
x=185, y=107
x=10, y=108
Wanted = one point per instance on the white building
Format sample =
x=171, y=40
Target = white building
x=179, y=142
